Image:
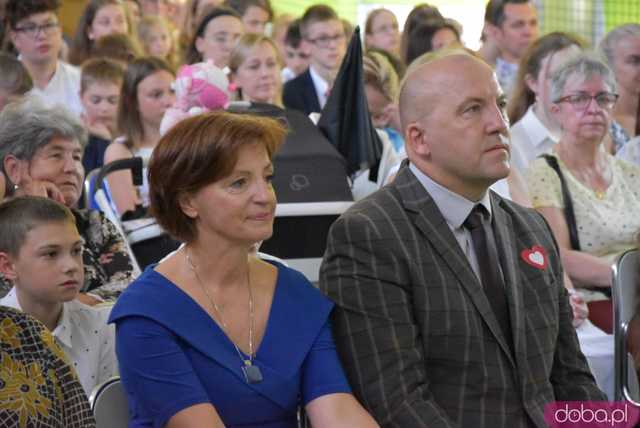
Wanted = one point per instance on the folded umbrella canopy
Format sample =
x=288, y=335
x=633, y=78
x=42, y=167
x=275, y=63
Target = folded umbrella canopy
x=345, y=119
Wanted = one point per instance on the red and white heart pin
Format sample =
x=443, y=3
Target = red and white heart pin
x=535, y=256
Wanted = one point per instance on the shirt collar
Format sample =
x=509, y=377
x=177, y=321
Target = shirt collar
x=319, y=83
x=54, y=76
x=455, y=208
x=537, y=132
x=62, y=332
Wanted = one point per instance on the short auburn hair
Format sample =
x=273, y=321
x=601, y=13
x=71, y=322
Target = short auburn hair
x=196, y=152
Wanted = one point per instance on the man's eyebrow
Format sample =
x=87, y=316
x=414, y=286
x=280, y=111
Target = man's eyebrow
x=470, y=100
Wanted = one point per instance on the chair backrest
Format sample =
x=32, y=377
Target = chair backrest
x=89, y=183
x=309, y=168
x=109, y=404
x=300, y=234
x=624, y=291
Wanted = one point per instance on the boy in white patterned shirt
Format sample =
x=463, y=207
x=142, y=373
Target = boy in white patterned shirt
x=41, y=254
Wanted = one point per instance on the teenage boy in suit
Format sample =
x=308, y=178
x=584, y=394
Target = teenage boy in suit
x=326, y=46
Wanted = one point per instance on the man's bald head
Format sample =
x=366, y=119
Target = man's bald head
x=428, y=78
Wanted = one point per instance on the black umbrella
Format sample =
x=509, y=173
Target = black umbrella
x=345, y=118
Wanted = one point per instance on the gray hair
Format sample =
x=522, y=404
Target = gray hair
x=27, y=125
x=581, y=66
x=609, y=44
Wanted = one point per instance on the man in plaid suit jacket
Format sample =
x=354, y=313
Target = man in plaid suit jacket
x=419, y=340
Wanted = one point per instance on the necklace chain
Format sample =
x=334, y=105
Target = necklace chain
x=218, y=310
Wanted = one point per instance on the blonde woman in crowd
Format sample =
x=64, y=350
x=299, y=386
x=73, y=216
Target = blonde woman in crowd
x=156, y=37
x=382, y=32
x=255, y=70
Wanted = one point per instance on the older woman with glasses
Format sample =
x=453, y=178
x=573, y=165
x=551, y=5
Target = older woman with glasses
x=597, y=214
x=590, y=199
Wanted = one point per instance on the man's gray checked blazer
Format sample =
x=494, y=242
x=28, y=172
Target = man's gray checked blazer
x=415, y=332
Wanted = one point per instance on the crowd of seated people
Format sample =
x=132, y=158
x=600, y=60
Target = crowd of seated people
x=70, y=105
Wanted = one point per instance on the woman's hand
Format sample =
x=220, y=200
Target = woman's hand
x=27, y=186
x=338, y=410
x=579, y=306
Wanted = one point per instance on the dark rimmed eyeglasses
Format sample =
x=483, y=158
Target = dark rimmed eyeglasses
x=325, y=41
x=33, y=30
x=581, y=100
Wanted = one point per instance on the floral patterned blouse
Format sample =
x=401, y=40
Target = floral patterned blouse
x=38, y=388
x=108, y=262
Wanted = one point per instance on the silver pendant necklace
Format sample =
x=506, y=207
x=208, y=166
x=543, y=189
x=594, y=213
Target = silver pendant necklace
x=252, y=373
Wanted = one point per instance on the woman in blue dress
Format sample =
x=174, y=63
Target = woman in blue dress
x=212, y=335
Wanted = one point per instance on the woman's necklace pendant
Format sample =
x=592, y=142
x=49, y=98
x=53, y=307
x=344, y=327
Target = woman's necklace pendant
x=252, y=373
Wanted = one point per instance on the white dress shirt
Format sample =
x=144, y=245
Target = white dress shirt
x=321, y=86
x=86, y=339
x=506, y=73
x=455, y=209
x=63, y=90
x=529, y=139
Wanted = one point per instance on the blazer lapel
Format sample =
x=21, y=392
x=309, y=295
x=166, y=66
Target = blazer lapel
x=508, y=252
x=310, y=96
x=428, y=219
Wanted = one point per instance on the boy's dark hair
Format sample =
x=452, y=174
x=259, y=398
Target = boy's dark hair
x=293, y=36
x=20, y=215
x=494, y=12
x=102, y=70
x=316, y=13
x=17, y=10
x=15, y=78
x=241, y=6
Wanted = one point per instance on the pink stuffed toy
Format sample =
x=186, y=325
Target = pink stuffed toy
x=200, y=88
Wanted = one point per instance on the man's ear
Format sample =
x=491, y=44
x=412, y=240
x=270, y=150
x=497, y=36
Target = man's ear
x=7, y=266
x=417, y=140
x=494, y=32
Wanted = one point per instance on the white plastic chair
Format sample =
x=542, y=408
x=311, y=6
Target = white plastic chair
x=109, y=404
x=300, y=234
x=624, y=291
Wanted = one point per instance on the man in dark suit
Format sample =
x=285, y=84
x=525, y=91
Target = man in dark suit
x=325, y=42
x=451, y=310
